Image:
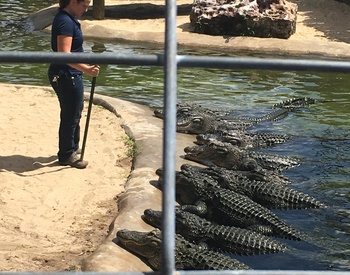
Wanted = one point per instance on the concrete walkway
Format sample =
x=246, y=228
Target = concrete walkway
x=141, y=190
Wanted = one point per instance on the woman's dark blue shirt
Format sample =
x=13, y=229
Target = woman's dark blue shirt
x=65, y=24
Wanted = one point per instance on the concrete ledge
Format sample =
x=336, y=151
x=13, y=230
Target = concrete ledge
x=141, y=190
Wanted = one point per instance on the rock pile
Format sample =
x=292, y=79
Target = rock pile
x=260, y=18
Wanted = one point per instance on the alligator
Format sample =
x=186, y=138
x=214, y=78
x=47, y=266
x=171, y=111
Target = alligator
x=184, y=193
x=201, y=124
x=190, y=108
x=265, y=175
x=207, y=199
x=268, y=194
x=221, y=238
x=289, y=104
x=243, y=139
x=188, y=256
x=187, y=109
x=295, y=103
x=229, y=156
x=193, y=118
x=261, y=175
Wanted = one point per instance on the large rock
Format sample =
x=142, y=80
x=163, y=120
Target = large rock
x=261, y=18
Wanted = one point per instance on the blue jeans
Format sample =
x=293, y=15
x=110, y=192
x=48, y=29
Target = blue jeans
x=70, y=92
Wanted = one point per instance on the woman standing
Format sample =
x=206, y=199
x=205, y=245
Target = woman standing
x=66, y=79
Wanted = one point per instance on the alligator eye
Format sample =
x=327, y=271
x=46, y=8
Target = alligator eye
x=233, y=141
x=197, y=120
x=216, y=146
x=154, y=233
x=219, y=151
x=154, y=244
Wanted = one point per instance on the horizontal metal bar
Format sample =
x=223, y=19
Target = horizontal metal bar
x=260, y=272
x=196, y=272
x=182, y=61
x=264, y=63
x=90, y=58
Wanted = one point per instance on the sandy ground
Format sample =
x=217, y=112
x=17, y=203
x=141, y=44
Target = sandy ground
x=53, y=217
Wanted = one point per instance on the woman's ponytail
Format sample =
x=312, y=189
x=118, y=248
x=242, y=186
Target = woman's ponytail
x=63, y=4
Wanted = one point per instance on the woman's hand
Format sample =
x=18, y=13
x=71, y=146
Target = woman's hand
x=93, y=70
x=64, y=44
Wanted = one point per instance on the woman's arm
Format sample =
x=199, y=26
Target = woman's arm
x=64, y=44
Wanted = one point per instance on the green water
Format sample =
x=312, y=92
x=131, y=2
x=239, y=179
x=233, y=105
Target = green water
x=323, y=128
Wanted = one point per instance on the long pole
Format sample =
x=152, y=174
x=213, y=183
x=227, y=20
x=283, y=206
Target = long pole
x=93, y=84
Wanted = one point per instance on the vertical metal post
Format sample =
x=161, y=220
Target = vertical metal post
x=169, y=139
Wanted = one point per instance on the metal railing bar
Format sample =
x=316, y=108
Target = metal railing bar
x=196, y=272
x=261, y=272
x=169, y=140
x=91, y=58
x=74, y=272
x=182, y=61
x=264, y=63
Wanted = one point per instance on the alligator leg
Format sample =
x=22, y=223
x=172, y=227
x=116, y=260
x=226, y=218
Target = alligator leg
x=200, y=208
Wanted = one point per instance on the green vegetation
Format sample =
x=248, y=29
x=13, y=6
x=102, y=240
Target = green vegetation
x=132, y=148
